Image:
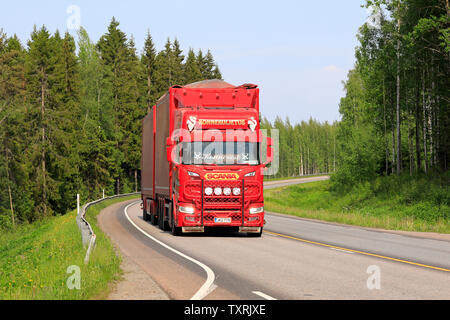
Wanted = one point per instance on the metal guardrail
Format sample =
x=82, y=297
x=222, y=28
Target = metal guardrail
x=87, y=233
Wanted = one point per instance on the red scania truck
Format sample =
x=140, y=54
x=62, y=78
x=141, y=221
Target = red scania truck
x=202, y=159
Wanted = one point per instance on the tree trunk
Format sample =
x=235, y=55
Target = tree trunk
x=385, y=132
x=393, y=145
x=424, y=109
x=44, y=183
x=417, y=133
x=410, y=149
x=301, y=164
x=399, y=140
x=11, y=205
x=334, y=156
x=9, y=188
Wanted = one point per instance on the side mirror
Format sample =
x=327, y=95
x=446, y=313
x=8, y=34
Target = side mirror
x=169, y=149
x=269, y=153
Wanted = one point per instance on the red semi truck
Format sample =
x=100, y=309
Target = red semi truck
x=202, y=159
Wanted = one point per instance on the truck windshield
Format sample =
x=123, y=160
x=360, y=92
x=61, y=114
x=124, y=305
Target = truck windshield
x=220, y=153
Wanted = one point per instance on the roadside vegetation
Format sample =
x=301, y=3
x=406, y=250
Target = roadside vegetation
x=394, y=202
x=34, y=259
x=85, y=136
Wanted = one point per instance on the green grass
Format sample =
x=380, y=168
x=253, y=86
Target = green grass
x=34, y=259
x=395, y=203
x=295, y=177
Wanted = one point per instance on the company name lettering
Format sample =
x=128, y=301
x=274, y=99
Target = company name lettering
x=222, y=176
x=224, y=122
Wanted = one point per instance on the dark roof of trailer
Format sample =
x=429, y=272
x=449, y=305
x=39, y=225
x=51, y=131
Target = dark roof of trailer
x=216, y=84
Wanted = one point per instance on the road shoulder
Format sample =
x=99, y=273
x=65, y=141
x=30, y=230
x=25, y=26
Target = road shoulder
x=136, y=283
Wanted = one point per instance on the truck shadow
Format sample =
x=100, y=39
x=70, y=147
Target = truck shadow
x=217, y=232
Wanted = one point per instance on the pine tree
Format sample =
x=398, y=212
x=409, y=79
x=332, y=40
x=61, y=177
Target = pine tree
x=38, y=67
x=176, y=61
x=192, y=71
x=15, y=196
x=148, y=60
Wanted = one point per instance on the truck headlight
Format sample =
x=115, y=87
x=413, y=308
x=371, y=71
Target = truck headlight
x=227, y=191
x=236, y=191
x=188, y=210
x=193, y=174
x=209, y=191
x=218, y=191
x=256, y=210
x=250, y=174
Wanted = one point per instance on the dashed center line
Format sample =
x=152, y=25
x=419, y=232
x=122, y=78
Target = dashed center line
x=263, y=295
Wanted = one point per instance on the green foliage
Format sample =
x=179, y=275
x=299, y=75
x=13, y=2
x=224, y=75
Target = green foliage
x=305, y=148
x=396, y=113
x=71, y=122
x=393, y=202
x=34, y=259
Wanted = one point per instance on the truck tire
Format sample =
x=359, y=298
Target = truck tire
x=255, y=235
x=145, y=215
x=160, y=216
x=162, y=221
x=153, y=219
x=176, y=231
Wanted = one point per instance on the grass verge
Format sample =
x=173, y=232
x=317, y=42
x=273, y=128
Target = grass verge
x=409, y=206
x=266, y=179
x=34, y=259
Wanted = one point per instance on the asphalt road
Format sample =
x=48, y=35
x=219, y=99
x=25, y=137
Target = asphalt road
x=294, y=259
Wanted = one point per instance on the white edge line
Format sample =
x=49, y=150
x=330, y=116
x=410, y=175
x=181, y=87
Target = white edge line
x=342, y=250
x=205, y=289
x=265, y=296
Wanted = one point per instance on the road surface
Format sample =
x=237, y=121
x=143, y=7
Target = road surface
x=294, y=259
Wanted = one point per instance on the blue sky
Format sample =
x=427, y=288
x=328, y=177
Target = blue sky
x=297, y=51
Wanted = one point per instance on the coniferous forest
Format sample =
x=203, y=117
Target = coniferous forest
x=70, y=115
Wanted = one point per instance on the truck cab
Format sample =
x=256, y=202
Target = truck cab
x=212, y=171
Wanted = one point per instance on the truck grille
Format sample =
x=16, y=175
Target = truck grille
x=193, y=190
x=210, y=218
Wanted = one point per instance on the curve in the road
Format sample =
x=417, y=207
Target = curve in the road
x=207, y=287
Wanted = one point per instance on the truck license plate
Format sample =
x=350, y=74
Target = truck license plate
x=222, y=220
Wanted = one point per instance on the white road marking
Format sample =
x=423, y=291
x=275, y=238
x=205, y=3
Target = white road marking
x=265, y=296
x=342, y=250
x=207, y=287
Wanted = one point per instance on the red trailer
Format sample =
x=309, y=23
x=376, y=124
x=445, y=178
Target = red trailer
x=202, y=159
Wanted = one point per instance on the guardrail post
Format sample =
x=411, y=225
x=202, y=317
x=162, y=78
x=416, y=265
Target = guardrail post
x=78, y=204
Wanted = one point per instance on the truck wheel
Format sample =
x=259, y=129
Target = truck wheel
x=255, y=235
x=145, y=215
x=160, y=219
x=176, y=231
x=153, y=219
